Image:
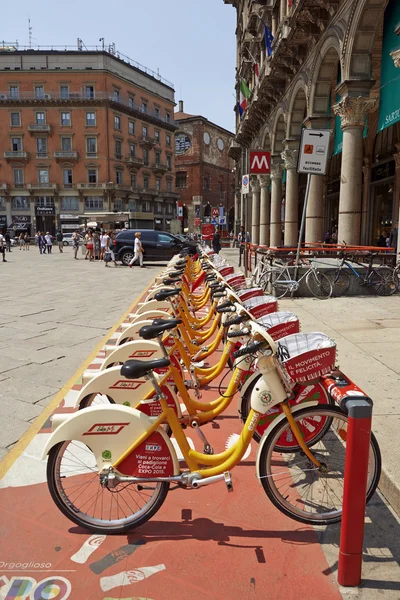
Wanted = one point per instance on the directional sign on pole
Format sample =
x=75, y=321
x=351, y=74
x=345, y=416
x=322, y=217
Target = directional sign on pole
x=245, y=184
x=314, y=151
x=222, y=220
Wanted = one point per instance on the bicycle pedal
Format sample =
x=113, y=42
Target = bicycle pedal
x=228, y=481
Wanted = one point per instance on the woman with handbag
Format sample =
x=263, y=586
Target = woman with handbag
x=89, y=246
x=109, y=254
x=138, y=248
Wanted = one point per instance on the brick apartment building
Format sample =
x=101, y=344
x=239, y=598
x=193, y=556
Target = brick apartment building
x=205, y=177
x=86, y=136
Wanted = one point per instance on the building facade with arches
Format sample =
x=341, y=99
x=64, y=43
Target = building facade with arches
x=330, y=64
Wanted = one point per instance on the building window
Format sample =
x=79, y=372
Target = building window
x=93, y=203
x=90, y=119
x=146, y=182
x=89, y=91
x=132, y=206
x=40, y=118
x=41, y=147
x=67, y=178
x=206, y=183
x=119, y=204
x=43, y=175
x=169, y=162
x=18, y=177
x=181, y=181
x=14, y=91
x=158, y=185
x=20, y=203
x=158, y=159
x=16, y=144
x=168, y=140
x=157, y=136
x=116, y=96
x=145, y=131
x=146, y=206
x=39, y=92
x=143, y=107
x=132, y=150
x=91, y=146
x=2, y=203
x=131, y=102
x=133, y=180
x=118, y=149
x=157, y=112
x=15, y=119
x=45, y=201
x=131, y=128
x=145, y=157
x=92, y=175
x=170, y=209
x=159, y=208
x=118, y=176
x=64, y=92
x=69, y=203
x=169, y=185
x=167, y=117
x=66, y=119
x=117, y=122
x=66, y=144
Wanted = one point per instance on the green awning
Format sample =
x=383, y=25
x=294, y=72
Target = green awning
x=389, y=107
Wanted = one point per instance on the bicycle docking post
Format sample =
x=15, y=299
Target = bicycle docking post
x=355, y=485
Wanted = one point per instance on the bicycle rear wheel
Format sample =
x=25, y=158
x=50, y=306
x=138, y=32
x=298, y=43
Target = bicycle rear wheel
x=319, y=284
x=340, y=281
x=280, y=283
x=382, y=281
x=296, y=486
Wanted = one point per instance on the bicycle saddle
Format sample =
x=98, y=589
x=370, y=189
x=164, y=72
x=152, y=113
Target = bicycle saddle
x=138, y=368
x=149, y=332
x=170, y=280
x=177, y=271
x=181, y=262
x=165, y=294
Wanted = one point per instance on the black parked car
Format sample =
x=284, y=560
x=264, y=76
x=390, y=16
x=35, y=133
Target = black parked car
x=158, y=245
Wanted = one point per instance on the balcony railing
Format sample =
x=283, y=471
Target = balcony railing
x=39, y=128
x=42, y=186
x=91, y=185
x=81, y=96
x=160, y=167
x=146, y=140
x=63, y=155
x=134, y=161
x=16, y=155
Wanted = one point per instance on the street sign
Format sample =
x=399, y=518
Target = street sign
x=314, y=151
x=207, y=231
x=215, y=212
x=197, y=222
x=214, y=222
x=245, y=184
x=222, y=220
x=260, y=162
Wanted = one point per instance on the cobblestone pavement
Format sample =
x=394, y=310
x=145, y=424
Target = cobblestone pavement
x=54, y=310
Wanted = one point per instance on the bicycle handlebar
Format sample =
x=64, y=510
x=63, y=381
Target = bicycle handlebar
x=241, y=333
x=249, y=349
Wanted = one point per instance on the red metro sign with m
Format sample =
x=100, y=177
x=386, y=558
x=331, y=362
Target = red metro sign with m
x=260, y=162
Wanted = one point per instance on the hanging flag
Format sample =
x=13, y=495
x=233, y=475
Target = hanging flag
x=269, y=38
x=244, y=95
x=256, y=73
x=240, y=109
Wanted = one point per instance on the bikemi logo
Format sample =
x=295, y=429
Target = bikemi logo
x=127, y=384
x=105, y=429
x=143, y=354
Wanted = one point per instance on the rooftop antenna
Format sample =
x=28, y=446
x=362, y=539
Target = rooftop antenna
x=102, y=43
x=30, y=32
x=81, y=45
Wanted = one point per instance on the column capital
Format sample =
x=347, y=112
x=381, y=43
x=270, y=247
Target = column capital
x=289, y=157
x=265, y=181
x=353, y=111
x=254, y=184
x=397, y=161
x=276, y=171
x=396, y=58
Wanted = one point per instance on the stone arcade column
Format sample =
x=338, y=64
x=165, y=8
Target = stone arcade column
x=276, y=204
x=255, y=211
x=292, y=197
x=265, y=181
x=237, y=213
x=315, y=210
x=353, y=112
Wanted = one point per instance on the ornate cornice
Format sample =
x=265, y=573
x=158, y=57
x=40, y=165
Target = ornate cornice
x=353, y=111
x=289, y=157
x=276, y=171
x=396, y=58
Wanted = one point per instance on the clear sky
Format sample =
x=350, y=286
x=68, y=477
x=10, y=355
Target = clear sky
x=191, y=42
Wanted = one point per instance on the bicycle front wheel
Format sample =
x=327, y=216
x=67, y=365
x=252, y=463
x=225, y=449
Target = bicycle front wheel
x=299, y=489
x=280, y=283
x=340, y=281
x=319, y=285
x=74, y=485
x=382, y=281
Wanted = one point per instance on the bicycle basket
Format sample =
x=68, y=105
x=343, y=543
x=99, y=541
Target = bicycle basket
x=307, y=356
x=248, y=293
x=259, y=306
x=280, y=324
x=225, y=270
x=236, y=281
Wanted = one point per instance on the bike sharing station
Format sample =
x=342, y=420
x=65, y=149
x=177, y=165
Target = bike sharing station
x=128, y=507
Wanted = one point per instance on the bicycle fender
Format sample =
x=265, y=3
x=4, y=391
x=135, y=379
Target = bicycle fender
x=132, y=331
x=274, y=424
x=109, y=431
x=157, y=289
x=247, y=384
x=146, y=316
x=152, y=305
x=138, y=349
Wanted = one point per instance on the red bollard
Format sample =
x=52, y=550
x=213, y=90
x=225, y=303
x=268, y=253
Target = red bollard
x=354, y=493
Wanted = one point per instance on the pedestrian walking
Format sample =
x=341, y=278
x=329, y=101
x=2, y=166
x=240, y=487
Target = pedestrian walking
x=96, y=244
x=138, y=251
x=394, y=236
x=49, y=242
x=242, y=239
x=89, y=246
x=27, y=239
x=7, y=239
x=2, y=247
x=109, y=254
x=75, y=243
x=21, y=241
x=59, y=238
x=41, y=243
x=216, y=242
x=103, y=244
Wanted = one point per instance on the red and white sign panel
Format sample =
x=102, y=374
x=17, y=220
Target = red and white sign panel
x=260, y=162
x=215, y=212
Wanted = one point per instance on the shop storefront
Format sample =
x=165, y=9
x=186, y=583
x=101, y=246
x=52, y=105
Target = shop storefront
x=69, y=223
x=20, y=224
x=45, y=214
x=382, y=196
x=104, y=220
x=3, y=223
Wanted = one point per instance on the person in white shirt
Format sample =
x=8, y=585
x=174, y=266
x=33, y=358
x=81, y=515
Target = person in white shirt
x=2, y=247
x=104, y=238
x=138, y=251
x=49, y=242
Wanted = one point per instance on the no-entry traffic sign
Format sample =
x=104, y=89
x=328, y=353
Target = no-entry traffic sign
x=314, y=151
x=260, y=162
x=245, y=184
